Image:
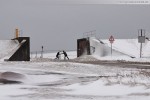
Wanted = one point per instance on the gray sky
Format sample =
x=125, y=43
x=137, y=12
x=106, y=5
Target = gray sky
x=57, y=26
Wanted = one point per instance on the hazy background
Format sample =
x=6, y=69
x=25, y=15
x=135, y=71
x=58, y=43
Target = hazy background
x=57, y=26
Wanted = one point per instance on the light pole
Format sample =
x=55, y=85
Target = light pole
x=42, y=52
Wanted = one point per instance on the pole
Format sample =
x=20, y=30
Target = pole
x=111, y=49
x=42, y=52
x=141, y=50
x=17, y=32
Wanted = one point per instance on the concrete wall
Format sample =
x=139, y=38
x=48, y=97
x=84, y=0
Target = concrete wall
x=83, y=47
x=23, y=53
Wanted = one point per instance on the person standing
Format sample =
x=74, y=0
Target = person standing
x=57, y=55
x=65, y=55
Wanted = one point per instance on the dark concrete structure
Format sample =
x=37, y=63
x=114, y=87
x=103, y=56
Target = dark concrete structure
x=83, y=47
x=23, y=53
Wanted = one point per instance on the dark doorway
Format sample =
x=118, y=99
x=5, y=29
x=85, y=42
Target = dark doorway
x=83, y=47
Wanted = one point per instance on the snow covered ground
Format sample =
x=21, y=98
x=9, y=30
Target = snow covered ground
x=71, y=55
x=130, y=47
x=55, y=80
x=123, y=48
x=99, y=76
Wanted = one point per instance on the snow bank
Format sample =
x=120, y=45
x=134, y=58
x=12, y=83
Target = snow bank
x=11, y=77
x=102, y=49
x=130, y=47
x=8, y=48
x=121, y=48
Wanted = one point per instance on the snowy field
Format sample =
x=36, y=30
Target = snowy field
x=67, y=80
x=100, y=76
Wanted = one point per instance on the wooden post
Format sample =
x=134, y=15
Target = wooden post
x=17, y=32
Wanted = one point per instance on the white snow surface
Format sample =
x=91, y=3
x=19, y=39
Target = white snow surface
x=120, y=47
x=130, y=47
x=98, y=88
x=71, y=55
x=49, y=80
x=8, y=48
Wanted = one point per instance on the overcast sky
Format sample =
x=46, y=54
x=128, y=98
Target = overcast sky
x=57, y=25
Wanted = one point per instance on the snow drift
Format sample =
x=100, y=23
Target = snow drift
x=120, y=47
x=8, y=48
x=11, y=77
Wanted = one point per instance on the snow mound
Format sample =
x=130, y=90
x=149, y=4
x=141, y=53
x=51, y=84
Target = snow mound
x=120, y=47
x=8, y=48
x=85, y=58
x=11, y=77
